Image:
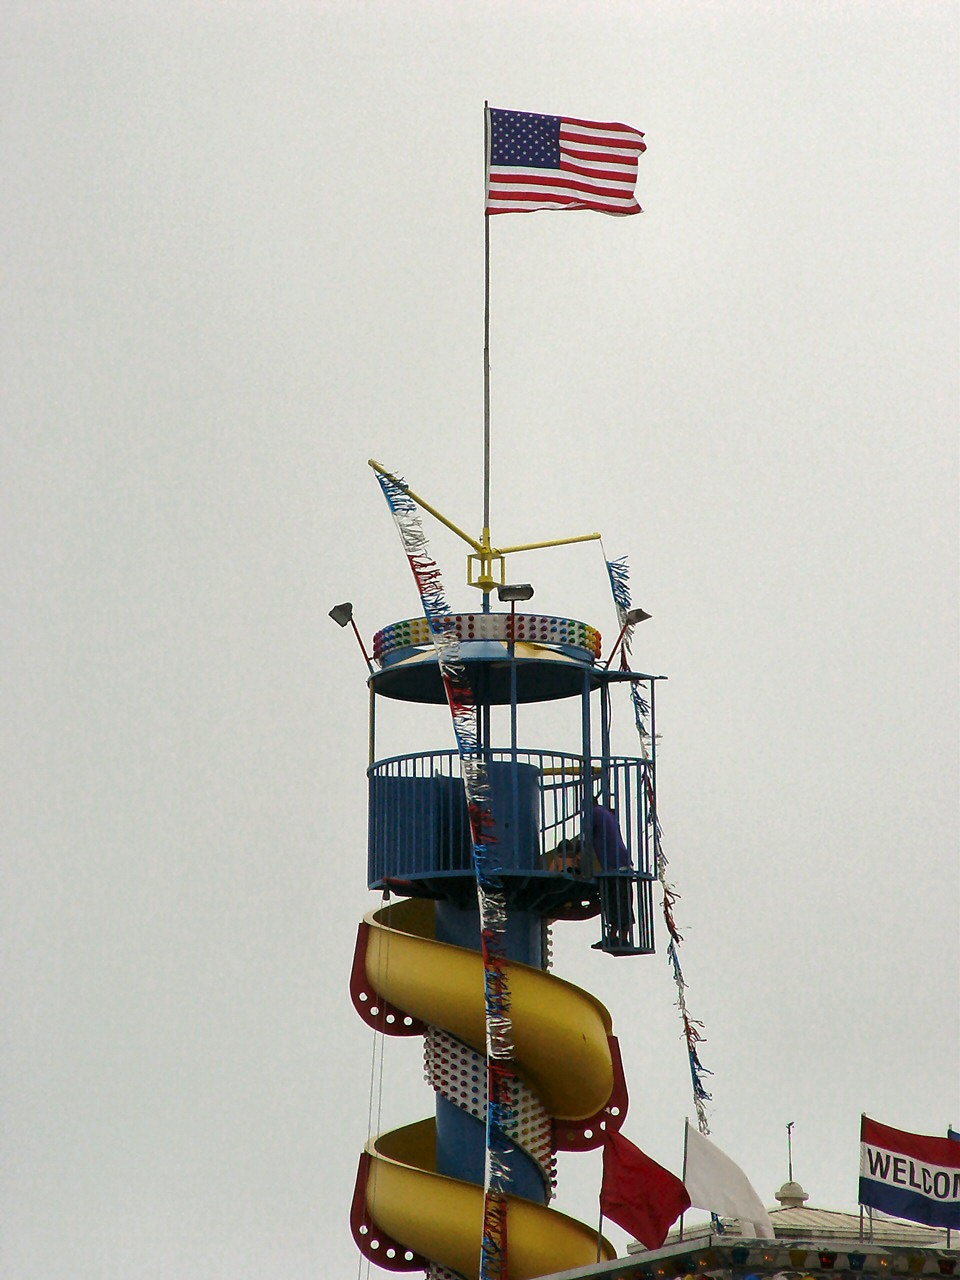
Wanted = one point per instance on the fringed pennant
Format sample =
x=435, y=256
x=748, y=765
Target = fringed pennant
x=501, y=1105
x=670, y=896
x=493, y=1258
x=693, y=1034
x=618, y=572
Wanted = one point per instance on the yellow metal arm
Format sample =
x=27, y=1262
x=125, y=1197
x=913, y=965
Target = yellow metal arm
x=551, y=542
x=480, y=565
x=426, y=505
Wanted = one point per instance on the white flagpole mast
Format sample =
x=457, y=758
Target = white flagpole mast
x=485, y=537
x=949, y=1131
x=683, y=1176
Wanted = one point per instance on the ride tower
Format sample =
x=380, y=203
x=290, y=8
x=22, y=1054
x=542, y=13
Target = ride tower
x=478, y=849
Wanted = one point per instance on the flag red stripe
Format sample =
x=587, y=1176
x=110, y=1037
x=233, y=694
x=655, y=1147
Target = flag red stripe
x=547, y=183
x=631, y=146
x=503, y=204
x=604, y=157
x=566, y=204
x=598, y=124
x=593, y=138
x=534, y=201
x=630, y=176
x=593, y=149
x=591, y=177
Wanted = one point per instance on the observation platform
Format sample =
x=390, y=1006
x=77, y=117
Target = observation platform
x=419, y=835
x=547, y=806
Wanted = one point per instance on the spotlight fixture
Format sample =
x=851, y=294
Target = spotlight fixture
x=513, y=592
x=343, y=614
x=509, y=593
x=630, y=619
x=634, y=616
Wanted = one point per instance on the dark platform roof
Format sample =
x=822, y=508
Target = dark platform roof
x=544, y=673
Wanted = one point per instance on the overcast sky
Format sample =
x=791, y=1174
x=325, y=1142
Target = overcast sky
x=244, y=253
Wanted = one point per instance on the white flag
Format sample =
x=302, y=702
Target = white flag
x=715, y=1183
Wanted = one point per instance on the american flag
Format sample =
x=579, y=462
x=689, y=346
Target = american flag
x=556, y=162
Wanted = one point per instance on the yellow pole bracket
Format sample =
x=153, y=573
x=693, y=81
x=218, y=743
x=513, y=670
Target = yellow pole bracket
x=480, y=566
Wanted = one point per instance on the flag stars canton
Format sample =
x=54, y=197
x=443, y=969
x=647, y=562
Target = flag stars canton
x=524, y=138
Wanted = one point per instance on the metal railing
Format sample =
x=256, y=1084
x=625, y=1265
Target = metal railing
x=418, y=825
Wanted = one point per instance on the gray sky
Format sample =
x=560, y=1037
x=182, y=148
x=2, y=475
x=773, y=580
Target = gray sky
x=243, y=254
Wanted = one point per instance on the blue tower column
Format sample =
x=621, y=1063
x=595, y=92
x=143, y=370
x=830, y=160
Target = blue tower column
x=515, y=839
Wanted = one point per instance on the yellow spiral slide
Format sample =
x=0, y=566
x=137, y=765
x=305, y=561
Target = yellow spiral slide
x=405, y=1212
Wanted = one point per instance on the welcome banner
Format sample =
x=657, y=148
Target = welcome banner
x=910, y=1176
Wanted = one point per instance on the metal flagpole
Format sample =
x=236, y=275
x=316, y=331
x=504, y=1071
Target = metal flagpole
x=949, y=1132
x=683, y=1176
x=868, y=1207
x=493, y=1242
x=485, y=537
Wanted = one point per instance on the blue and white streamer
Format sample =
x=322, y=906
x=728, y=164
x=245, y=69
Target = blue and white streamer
x=619, y=574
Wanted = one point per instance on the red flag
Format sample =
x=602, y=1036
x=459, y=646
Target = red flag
x=639, y=1194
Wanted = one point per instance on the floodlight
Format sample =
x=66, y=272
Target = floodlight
x=630, y=619
x=508, y=593
x=634, y=616
x=343, y=614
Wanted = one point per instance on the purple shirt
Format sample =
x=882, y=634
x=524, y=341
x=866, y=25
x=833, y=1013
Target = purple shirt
x=608, y=844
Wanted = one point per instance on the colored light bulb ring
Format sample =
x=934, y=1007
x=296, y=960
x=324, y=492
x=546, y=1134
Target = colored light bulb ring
x=532, y=628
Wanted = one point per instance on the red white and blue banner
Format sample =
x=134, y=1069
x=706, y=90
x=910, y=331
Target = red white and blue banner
x=558, y=162
x=501, y=1109
x=910, y=1176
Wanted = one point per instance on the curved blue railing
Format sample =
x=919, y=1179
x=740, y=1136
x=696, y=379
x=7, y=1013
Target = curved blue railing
x=419, y=832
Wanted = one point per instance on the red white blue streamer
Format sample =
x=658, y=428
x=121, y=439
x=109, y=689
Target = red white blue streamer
x=619, y=574
x=501, y=1117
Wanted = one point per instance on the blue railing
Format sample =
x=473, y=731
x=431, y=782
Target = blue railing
x=418, y=826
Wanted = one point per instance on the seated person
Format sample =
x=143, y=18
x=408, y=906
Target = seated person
x=564, y=857
x=610, y=854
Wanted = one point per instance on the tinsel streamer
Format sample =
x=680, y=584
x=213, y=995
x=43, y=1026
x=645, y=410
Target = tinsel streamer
x=669, y=898
x=692, y=1032
x=618, y=572
x=501, y=1107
